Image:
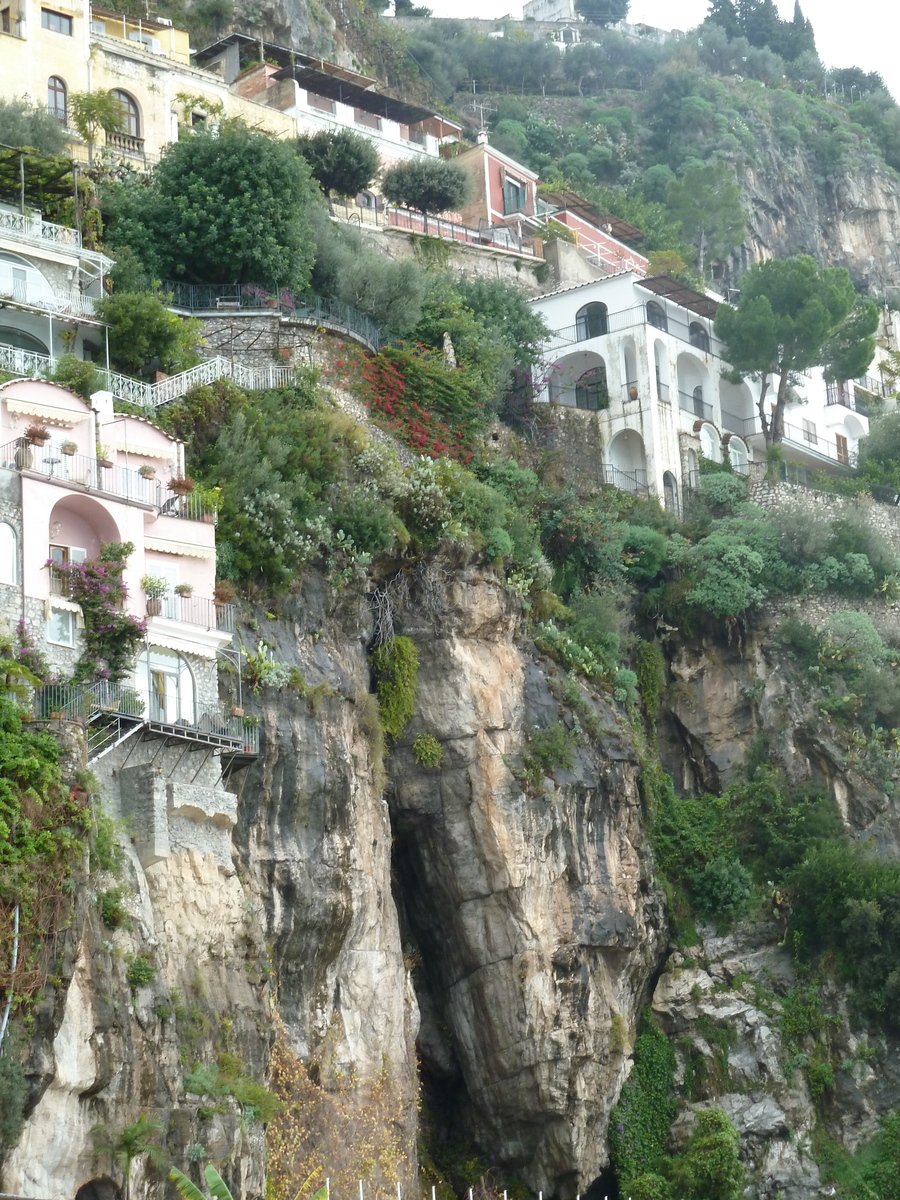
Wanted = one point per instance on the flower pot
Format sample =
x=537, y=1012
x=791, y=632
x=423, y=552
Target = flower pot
x=632, y=393
x=237, y=711
x=154, y=608
x=68, y=450
x=104, y=462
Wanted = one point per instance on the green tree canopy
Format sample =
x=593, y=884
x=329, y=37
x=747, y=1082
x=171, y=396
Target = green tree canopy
x=706, y=202
x=234, y=206
x=24, y=124
x=794, y=315
x=710, y=1168
x=144, y=335
x=428, y=185
x=340, y=161
x=93, y=112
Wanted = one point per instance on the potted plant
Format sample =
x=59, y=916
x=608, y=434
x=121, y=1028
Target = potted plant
x=251, y=734
x=236, y=710
x=181, y=485
x=154, y=588
x=103, y=459
x=69, y=448
x=183, y=589
x=223, y=594
x=146, y=471
x=36, y=434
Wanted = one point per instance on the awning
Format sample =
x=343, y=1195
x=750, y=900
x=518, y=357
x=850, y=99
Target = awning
x=165, y=452
x=378, y=103
x=679, y=293
x=47, y=412
x=182, y=645
x=183, y=549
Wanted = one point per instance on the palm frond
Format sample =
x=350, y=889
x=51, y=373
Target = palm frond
x=216, y=1184
x=186, y=1188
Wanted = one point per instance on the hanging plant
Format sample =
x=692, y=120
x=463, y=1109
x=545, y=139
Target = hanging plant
x=182, y=485
x=37, y=434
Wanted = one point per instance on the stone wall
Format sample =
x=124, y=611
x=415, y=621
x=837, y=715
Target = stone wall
x=787, y=497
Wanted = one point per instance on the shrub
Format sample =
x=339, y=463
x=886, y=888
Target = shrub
x=113, y=912
x=710, y=1168
x=722, y=887
x=427, y=750
x=549, y=750
x=140, y=971
x=395, y=664
x=144, y=336
x=79, y=377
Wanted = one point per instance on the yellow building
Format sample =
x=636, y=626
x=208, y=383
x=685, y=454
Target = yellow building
x=51, y=49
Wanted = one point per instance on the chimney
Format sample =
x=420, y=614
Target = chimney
x=482, y=137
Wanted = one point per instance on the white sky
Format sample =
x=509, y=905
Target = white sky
x=863, y=33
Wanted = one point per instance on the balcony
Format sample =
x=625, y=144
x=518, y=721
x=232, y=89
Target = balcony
x=79, y=472
x=629, y=318
x=195, y=610
x=813, y=444
x=127, y=144
x=193, y=507
x=26, y=227
x=27, y=293
x=696, y=405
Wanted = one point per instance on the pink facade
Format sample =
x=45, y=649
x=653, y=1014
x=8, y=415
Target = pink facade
x=501, y=188
x=104, y=477
x=602, y=246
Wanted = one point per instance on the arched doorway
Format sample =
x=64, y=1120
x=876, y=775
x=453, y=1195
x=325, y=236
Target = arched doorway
x=591, y=321
x=627, y=468
x=579, y=381
x=670, y=492
x=710, y=443
x=739, y=456
x=656, y=316
x=661, y=368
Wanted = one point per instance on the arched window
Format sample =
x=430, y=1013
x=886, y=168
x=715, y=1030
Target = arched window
x=656, y=316
x=56, y=98
x=131, y=117
x=9, y=554
x=698, y=336
x=20, y=340
x=591, y=321
x=710, y=443
x=591, y=391
x=738, y=455
x=697, y=397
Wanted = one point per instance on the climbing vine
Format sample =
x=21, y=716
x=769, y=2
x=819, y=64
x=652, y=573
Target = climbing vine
x=111, y=636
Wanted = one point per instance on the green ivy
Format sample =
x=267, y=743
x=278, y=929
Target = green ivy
x=395, y=664
x=639, y=1124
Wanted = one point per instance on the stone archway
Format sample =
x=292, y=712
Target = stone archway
x=102, y=1188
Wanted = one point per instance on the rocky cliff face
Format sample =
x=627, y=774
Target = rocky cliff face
x=530, y=925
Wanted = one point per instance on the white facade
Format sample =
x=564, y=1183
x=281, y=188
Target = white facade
x=652, y=369
x=49, y=287
x=549, y=10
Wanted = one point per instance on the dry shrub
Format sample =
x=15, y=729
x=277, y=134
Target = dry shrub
x=346, y=1132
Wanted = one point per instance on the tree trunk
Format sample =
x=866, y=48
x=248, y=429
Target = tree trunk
x=761, y=406
x=778, y=414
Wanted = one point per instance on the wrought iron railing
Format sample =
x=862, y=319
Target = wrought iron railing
x=626, y=481
x=627, y=318
x=47, y=299
x=196, y=610
x=79, y=469
x=690, y=403
x=307, y=308
x=81, y=702
x=498, y=237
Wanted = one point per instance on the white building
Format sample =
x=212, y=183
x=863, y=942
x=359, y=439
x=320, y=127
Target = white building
x=643, y=356
x=549, y=10
x=50, y=285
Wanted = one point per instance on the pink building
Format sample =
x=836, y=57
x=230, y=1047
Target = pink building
x=605, y=240
x=75, y=476
x=503, y=191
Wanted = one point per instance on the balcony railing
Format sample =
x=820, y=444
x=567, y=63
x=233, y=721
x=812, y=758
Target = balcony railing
x=743, y=426
x=497, y=237
x=126, y=143
x=813, y=441
x=308, y=309
x=29, y=228
x=689, y=403
x=45, y=298
x=195, y=610
x=103, y=476
x=91, y=703
x=634, y=481
x=627, y=318
x=587, y=399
